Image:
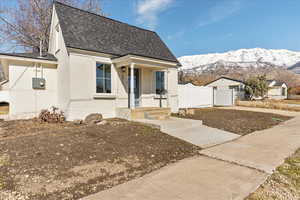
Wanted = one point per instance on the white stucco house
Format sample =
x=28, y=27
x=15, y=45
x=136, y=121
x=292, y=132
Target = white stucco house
x=277, y=90
x=225, y=83
x=94, y=65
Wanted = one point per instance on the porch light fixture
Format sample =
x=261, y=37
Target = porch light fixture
x=123, y=69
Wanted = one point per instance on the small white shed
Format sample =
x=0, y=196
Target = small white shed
x=225, y=83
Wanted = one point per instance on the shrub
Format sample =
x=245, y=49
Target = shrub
x=256, y=87
x=53, y=115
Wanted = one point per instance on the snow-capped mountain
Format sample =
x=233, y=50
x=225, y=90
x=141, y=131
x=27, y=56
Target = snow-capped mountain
x=244, y=58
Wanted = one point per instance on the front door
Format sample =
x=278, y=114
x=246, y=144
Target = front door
x=136, y=87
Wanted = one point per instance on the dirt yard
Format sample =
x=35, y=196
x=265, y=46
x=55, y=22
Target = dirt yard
x=237, y=121
x=68, y=161
x=284, y=184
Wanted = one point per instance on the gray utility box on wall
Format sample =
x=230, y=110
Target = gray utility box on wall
x=38, y=83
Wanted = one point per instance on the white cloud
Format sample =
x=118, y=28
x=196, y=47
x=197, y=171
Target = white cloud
x=177, y=35
x=148, y=11
x=222, y=10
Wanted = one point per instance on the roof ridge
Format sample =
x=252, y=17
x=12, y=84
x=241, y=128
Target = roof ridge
x=114, y=20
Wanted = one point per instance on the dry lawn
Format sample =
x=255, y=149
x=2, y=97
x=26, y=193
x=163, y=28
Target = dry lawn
x=4, y=109
x=68, y=161
x=236, y=121
x=279, y=105
x=284, y=184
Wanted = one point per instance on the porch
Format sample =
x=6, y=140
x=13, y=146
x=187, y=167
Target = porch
x=147, y=88
x=144, y=113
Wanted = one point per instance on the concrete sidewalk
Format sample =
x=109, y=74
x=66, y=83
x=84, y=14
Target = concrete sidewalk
x=263, y=150
x=229, y=171
x=190, y=179
x=193, y=131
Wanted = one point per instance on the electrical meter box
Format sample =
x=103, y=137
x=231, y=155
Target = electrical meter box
x=38, y=83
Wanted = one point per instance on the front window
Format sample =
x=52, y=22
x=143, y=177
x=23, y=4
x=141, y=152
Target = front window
x=103, y=78
x=160, y=82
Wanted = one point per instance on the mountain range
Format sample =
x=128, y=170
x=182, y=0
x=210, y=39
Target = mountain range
x=242, y=58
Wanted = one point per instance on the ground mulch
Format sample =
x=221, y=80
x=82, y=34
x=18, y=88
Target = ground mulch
x=236, y=121
x=68, y=161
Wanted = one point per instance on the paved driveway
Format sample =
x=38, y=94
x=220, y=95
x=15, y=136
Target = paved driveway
x=193, y=131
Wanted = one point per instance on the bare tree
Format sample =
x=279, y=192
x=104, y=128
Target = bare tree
x=27, y=24
x=94, y=6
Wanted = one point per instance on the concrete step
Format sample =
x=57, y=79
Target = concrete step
x=157, y=116
x=151, y=113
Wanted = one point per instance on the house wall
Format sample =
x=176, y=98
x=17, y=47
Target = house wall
x=58, y=49
x=83, y=97
x=149, y=98
x=276, y=92
x=25, y=101
x=224, y=84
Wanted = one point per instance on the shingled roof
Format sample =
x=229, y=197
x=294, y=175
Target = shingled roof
x=45, y=56
x=88, y=31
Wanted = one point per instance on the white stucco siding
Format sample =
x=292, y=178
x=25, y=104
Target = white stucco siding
x=58, y=49
x=26, y=101
x=83, y=97
x=172, y=85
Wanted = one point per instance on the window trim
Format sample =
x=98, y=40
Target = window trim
x=155, y=82
x=101, y=94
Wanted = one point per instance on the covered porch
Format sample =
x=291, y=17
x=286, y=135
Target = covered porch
x=148, y=87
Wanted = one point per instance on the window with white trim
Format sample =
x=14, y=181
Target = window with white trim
x=160, y=82
x=103, y=78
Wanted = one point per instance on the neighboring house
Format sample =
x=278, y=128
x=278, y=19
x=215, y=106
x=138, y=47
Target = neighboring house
x=277, y=90
x=94, y=64
x=225, y=83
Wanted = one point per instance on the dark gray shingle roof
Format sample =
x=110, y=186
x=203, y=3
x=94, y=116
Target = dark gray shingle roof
x=46, y=56
x=88, y=31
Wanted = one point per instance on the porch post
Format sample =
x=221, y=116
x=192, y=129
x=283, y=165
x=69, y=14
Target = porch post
x=132, y=98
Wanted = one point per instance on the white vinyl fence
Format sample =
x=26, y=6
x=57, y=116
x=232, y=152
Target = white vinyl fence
x=191, y=96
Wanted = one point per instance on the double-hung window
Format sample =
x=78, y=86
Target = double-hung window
x=103, y=78
x=160, y=82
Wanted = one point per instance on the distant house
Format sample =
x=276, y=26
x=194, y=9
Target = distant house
x=225, y=83
x=94, y=65
x=277, y=90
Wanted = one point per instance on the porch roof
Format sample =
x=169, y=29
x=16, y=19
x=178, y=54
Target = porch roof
x=143, y=61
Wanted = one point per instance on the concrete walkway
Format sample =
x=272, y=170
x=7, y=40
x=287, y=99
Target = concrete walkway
x=263, y=150
x=193, y=131
x=191, y=179
x=229, y=171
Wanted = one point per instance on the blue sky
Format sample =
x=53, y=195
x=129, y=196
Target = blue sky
x=208, y=26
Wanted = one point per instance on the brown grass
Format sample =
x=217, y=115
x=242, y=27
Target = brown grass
x=4, y=109
x=269, y=105
x=284, y=184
